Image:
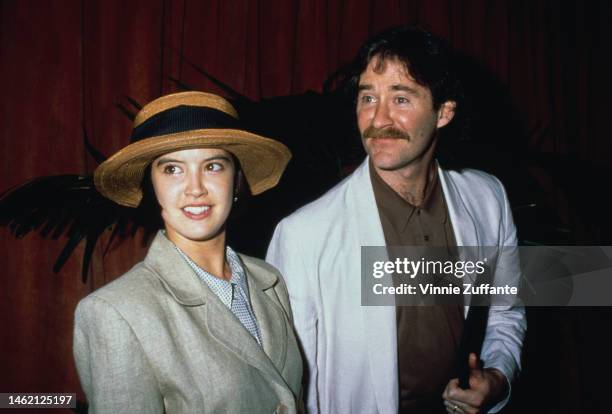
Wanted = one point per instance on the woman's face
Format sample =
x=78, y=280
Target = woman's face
x=195, y=189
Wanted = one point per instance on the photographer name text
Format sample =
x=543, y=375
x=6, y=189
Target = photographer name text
x=431, y=289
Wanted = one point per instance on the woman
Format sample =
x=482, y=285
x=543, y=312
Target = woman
x=194, y=327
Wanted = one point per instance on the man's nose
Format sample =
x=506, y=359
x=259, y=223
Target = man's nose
x=382, y=117
x=196, y=187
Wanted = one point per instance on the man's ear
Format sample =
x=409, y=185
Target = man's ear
x=446, y=113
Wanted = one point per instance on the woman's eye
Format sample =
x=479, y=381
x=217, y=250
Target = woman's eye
x=214, y=166
x=171, y=169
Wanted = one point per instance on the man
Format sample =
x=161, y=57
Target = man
x=368, y=359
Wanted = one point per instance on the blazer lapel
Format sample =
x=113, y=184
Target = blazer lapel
x=270, y=316
x=380, y=330
x=186, y=288
x=175, y=274
x=464, y=225
x=226, y=328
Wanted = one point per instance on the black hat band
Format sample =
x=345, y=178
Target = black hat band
x=184, y=118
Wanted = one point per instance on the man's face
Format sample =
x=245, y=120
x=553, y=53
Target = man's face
x=395, y=116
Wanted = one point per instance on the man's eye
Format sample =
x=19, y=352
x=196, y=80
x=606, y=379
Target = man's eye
x=401, y=100
x=171, y=169
x=214, y=166
x=367, y=99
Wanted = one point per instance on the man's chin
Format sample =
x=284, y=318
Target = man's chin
x=393, y=161
x=386, y=163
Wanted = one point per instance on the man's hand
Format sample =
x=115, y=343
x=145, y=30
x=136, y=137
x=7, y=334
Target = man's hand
x=487, y=387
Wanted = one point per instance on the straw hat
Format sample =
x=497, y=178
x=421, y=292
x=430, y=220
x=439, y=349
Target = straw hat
x=182, y=121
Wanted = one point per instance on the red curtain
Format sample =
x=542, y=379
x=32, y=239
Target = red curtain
x=67, y=64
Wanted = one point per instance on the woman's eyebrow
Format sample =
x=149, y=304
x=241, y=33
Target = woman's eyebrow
x=165, y=160
x=218, y=157
x=162, y=161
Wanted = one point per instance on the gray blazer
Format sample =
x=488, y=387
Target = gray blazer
x=158, y=340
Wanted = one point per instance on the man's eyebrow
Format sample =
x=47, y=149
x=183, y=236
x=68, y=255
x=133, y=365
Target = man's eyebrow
x=404, y=88
x=395, y=87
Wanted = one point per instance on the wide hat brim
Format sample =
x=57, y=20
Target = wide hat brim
x=262, y=160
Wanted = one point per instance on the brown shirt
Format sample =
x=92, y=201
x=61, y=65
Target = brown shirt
x=427, y=336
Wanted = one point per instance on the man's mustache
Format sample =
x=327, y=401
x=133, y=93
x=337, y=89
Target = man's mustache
x=389, y=132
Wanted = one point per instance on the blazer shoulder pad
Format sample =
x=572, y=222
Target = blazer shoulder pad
x=128, y=289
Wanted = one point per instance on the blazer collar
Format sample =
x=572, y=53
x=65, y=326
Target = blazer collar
x=179, y=278
x=361, y=195
x=260, y=278
x=466, y=233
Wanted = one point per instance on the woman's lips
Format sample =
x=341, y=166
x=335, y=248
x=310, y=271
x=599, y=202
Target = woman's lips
x=197, y=212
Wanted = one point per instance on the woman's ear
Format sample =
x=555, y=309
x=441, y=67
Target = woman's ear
x=238, y=182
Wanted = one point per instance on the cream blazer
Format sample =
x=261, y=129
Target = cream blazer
x=159, y=340
x=351, y=350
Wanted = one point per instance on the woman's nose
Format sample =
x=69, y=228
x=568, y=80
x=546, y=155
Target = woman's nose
x=195, y=186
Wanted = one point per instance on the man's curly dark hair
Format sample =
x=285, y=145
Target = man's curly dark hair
x=427, y=58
